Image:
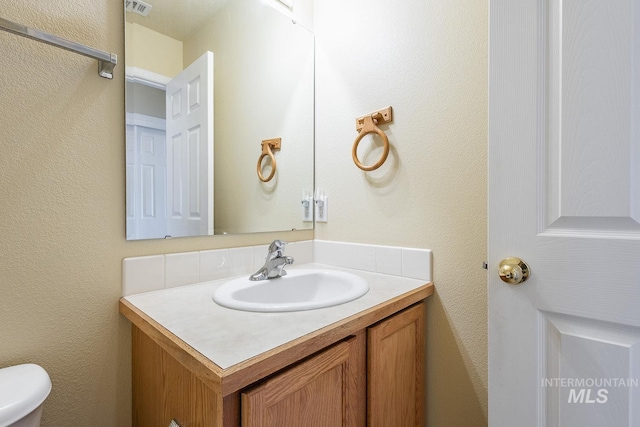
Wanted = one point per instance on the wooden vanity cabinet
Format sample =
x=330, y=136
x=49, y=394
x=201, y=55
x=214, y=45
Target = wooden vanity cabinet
x=395, y=370
x=373, y=377
x=328, y=390
x=331, y=389
x=164, y=389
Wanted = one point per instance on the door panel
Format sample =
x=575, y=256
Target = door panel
x=396, y=370
x=325, y=390
x=174, y=178
x=564, y=130
x=197, y=180
x=592, y=172
x=190, y=151
x=146, y=171
x=597, y=357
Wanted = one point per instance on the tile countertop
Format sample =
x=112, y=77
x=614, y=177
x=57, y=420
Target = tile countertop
x=228, y=337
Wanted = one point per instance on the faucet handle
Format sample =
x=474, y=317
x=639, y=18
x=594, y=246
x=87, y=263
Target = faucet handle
x=276, y=249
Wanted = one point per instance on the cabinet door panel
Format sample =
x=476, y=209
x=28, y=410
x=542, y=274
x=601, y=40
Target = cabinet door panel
x=395, y=390
x=324, y=391
x=163, y=389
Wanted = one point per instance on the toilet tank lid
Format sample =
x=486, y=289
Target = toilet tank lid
x=22, y=389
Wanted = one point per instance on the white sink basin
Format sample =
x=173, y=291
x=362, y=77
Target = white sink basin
x=298, y=290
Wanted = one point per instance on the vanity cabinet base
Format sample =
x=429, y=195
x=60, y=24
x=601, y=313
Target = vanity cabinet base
x=374, y=378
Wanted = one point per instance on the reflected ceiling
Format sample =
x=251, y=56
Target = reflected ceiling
x=177, y=19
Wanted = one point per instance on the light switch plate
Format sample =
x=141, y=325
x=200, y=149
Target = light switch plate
x=322, y=209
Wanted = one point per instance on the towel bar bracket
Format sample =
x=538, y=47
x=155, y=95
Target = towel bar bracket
x=105, y=68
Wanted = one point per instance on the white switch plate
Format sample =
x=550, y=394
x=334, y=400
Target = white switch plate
x=307, y=208
x=322, y=209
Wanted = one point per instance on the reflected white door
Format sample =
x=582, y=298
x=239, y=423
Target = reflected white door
x=564, y=195
x=146, y=169
x=189, y=108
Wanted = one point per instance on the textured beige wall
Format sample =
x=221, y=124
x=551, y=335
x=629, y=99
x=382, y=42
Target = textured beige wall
x=427, y=59
x=138, y=52
x=62, y=196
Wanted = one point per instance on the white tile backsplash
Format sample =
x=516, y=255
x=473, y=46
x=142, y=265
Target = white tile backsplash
x=364, y=257
x=241, y=261
x=389, y=260
x=416, y=263
x=345, y=254
x=259, y=257
x=181, y=269
x=340, y=254
x=214, y=264
x=397, y=261
x=302, y=252
x=142, y=274
x=322, y=251
x=151, y=273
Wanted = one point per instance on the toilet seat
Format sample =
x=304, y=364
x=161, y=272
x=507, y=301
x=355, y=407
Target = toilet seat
x=23, y=388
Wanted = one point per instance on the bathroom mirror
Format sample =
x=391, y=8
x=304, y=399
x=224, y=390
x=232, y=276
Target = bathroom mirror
x=206, y=82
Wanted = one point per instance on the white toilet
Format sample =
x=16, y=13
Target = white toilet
x=23, y=389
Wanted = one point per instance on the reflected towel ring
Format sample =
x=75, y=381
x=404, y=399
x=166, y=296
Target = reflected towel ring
x=267, y=146
x=369, y=126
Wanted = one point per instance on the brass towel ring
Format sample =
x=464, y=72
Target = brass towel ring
x=267, y=145
x=368, y=124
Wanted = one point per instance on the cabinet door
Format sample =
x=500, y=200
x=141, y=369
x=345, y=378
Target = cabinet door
x=395, y=392
x=326, y=390
x=165, y=390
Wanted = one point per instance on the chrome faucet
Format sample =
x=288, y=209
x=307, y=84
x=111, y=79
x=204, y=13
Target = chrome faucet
x=274, y=264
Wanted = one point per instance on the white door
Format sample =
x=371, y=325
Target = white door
x=189, y=108
x=146, y=169
x=564, y=195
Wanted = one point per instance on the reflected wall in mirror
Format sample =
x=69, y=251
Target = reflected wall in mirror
x=207, y=82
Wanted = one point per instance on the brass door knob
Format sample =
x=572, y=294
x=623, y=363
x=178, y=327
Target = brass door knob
x=513, y=270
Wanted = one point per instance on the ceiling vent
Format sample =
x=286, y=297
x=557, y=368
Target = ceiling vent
x=137, y=6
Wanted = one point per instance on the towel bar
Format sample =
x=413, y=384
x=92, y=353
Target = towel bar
x=106, y=61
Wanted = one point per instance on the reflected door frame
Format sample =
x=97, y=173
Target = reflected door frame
x=135, y=123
